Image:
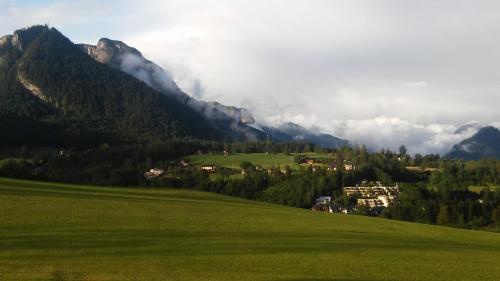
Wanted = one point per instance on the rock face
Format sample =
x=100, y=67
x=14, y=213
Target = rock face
x=485, y=143
x=129, y=60
x=32, y=88
x=240, y=114
x=22, y=38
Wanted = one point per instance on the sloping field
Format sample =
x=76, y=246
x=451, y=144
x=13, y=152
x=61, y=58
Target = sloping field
x=234, y=160
x=261, y=159
x=67, y=232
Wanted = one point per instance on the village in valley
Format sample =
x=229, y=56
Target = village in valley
x=365, y=196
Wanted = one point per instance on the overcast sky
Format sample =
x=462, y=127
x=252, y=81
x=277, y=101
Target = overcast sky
x=383, y=73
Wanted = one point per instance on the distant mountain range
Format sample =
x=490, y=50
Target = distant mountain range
x=485, y=143
x=54, y=92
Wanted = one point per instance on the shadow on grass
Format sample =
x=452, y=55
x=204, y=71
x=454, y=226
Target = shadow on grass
x=332, y=279
x=64, y=275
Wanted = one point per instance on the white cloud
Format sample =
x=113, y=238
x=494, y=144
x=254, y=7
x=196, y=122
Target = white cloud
x=416, y=84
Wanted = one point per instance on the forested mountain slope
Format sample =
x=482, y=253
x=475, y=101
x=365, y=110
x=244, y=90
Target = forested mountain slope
x=53, y=93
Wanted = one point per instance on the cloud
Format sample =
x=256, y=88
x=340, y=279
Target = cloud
x=383, y=73
x=146, y=71
x=417, y=84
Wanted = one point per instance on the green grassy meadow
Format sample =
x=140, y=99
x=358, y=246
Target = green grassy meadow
x=479, y=188
x=261, y=159
x=69, y=232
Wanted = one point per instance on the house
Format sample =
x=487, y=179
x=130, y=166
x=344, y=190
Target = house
x=372, y=203
x=323, y=200
x=349, y=167
x=153, y=173
x=322, y=204
x=209, y=168
x=322, y=208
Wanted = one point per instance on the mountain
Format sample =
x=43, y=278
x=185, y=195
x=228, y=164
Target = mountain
x=61, y=96
x=289, y=132
x=118, y=55
x=57, y=93
x=237, y=122
x=485, y=143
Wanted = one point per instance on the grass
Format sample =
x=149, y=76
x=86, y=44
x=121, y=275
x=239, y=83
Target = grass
x=3, y=161
x=261, y=159
x=479, y=188
x=70, y=232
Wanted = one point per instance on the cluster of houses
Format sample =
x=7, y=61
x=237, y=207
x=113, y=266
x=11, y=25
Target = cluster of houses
x=331, y=167
x=375, y=197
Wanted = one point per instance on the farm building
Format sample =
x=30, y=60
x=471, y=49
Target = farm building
x=349, y=167
x=153, y=173
x=209, y=168
x=322, y=204
x=324, y=200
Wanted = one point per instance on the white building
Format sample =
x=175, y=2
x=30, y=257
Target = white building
x=323, y=200
x=373, y=196
x=153, y=173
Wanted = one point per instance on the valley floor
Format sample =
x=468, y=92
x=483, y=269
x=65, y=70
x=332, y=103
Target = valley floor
x=70, y=232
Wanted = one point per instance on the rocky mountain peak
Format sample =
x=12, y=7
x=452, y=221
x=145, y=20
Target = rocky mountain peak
x=109, y=51
x=23, y=37
x=5, y=40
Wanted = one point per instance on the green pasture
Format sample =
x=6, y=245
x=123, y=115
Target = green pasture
x=69, y=232
x=478, y=188
x=260, y=159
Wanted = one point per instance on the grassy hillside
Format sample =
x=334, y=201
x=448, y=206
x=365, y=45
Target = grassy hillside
x=68, y=232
